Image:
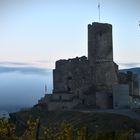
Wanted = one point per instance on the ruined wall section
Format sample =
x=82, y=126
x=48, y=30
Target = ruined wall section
x=72, y=76
x=130, y=79
x=135, y=85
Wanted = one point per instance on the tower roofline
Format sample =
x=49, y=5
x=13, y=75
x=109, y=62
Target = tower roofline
x=98, y=24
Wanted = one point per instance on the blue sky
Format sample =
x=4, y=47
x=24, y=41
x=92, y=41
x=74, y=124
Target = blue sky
x=42, y=31
x=36, y=33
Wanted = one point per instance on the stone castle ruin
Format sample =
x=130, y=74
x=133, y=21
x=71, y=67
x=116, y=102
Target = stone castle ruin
x=94, y=81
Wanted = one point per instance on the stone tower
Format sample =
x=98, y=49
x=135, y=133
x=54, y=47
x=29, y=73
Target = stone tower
x=100, y=54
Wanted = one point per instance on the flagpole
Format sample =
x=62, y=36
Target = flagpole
x=45, y=89
x=99, y=11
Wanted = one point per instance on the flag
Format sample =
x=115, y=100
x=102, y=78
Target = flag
x=98, y=5
x=99, y=10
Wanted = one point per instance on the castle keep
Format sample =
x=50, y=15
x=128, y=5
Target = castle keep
x=93, y=81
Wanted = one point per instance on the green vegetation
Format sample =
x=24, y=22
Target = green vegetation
x=93, y=120
x=36, y=124
x=64, y=131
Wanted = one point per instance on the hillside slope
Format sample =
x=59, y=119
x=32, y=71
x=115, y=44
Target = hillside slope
x=135, y=70
x=93, y=120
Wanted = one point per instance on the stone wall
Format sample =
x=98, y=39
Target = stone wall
x=63, y=105
x=106, y=74
x=45, y=99
x=121, y=98
x=100, y=46
x=135, y=85
x=70, y=75
x=103, y=100
x=63, y=97
x=130, y=79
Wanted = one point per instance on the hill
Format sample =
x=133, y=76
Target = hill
x=135, y=70
x=94, y=121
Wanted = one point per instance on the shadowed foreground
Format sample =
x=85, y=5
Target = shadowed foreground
x=94, y=121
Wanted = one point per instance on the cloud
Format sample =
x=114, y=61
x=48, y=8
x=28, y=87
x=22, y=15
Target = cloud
x=14, y=63
x=45, y=61
x=25, y=70
x=129, y=65
x=23, y=67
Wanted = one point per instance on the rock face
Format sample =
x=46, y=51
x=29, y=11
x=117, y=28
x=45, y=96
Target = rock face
x=84, y=82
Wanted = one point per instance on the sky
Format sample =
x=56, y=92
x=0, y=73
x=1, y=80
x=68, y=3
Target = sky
x=36, y=33
x=40, y=32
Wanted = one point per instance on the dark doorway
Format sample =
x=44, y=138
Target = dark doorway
x=83, y=101
x=69, y=89
x=69, y=78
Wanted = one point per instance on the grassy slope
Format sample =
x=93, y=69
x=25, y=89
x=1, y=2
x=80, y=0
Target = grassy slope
x=94, y=121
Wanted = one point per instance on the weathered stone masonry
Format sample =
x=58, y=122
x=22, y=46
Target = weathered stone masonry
x=83, y=83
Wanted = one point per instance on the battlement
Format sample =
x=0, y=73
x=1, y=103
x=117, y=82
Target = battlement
x=71, y=61
x=99, y=26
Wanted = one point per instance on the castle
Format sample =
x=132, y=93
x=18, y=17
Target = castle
x=94, y=81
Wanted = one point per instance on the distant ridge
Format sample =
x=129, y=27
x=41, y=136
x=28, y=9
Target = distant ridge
x=135, y=70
